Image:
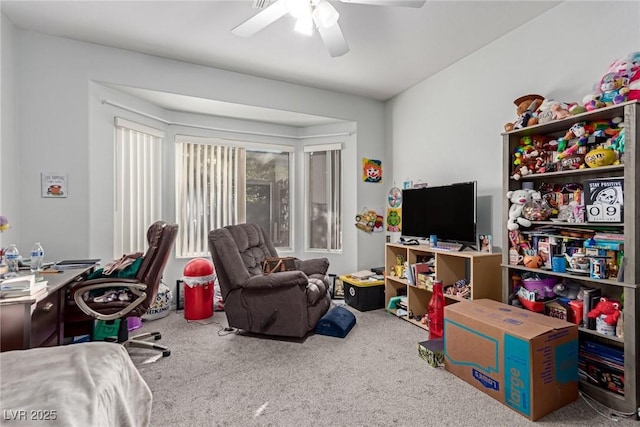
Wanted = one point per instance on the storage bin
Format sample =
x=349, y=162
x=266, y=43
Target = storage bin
x=363, y=295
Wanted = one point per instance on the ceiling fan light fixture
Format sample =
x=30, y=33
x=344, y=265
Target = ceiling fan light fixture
x=304, y=26
x=327, y=14
x=299, y=8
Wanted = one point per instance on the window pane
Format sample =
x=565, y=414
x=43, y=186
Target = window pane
x=325, y=200
x=267, y=194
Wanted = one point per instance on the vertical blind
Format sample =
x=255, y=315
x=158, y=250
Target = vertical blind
x=210, y=184
x=329, y=189
x=138, y=160
x=334, y=197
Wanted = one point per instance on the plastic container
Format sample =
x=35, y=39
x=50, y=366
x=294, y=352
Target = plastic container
x=198, y=289
x=435, y=311
x=542, y=287
x=134, y=323
x=37, y=258
x=12, y=256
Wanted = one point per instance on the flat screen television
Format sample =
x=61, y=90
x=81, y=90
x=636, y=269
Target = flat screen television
x=447, y=211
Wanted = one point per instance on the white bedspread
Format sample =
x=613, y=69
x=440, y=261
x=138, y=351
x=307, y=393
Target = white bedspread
x=88, y=384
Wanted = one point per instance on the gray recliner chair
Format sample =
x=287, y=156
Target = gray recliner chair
x=287, y=303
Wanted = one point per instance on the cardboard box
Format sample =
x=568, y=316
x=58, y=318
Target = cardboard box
x=525, y=360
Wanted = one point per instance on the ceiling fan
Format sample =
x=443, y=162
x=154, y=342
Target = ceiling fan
x=310, y=13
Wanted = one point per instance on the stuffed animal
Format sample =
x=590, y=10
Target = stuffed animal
x=551, y=110
x=520, y=171
x=526, y=107
x=609, y=308
x=568, y=290
x=629, y=68
x=620, y=83
x=518, y=199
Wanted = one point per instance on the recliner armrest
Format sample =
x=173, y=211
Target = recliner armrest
x=283, y=279
x=313, y=266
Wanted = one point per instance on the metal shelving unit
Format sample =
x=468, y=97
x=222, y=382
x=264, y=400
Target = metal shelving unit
x=629, y=287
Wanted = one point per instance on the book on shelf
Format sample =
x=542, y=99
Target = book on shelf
x=409, y=275
x=420, y=267
x=590, y=299
x=611, y=245
x=606, y=351
x=617, y=237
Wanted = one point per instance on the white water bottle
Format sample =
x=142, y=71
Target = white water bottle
x=37, y=258
x=12, y=257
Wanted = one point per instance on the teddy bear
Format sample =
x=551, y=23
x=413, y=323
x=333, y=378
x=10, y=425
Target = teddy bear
x=518, y=199
x=609, y=308
x=526, y=107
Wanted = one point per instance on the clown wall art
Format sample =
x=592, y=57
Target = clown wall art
x=371, y=170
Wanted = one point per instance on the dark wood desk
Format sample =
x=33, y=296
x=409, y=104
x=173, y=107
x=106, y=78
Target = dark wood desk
x=30, y=322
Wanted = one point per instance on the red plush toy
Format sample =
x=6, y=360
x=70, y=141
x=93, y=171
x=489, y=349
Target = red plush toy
x=607, y=307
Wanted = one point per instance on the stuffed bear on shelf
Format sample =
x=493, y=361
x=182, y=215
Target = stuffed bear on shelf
x=518, y=199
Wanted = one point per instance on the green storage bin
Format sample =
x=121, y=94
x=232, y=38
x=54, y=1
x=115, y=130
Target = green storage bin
x=103, y=329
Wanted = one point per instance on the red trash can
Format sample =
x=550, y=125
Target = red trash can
x=198, y=289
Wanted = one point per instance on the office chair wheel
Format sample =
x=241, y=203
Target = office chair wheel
x=166, y=353
x=157, y=336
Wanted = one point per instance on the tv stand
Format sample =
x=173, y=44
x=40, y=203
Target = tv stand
x=454, y=246
x=467, y=245
x=480, y=269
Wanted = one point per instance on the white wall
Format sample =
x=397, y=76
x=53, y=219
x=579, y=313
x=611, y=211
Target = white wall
x=9, y=205
x=63, y=127
x=447, y=128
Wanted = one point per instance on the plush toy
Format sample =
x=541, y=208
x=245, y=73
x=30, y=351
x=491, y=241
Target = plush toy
x=551, y=110
x=520, y=171
x=609, y=308
x=526, y=107
x=568, y=290
x=518, y=199
x=620, y=83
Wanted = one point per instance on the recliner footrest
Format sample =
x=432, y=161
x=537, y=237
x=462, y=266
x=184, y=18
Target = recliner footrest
x=337, y=322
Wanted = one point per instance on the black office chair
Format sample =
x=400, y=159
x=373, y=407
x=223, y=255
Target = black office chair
x=143, y=288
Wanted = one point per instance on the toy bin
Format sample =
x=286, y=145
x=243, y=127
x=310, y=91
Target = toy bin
x=363, y=295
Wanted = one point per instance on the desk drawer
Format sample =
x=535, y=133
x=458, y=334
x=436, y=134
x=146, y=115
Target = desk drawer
x=44, y=320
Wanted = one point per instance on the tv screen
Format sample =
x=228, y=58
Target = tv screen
x=448, y=211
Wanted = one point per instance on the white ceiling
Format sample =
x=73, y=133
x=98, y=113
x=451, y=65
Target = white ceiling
x=391, y=48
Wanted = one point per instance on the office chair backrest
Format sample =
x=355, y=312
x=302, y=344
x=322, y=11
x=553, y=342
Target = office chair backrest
x=160, y=236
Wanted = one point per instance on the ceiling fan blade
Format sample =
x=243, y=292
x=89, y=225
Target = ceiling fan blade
x=260, y=20
x=401, y=3
x=333, y=39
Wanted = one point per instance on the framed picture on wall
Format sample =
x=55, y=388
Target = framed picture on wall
x=54, y=185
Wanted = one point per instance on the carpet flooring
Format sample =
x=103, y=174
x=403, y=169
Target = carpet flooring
x=373, y=377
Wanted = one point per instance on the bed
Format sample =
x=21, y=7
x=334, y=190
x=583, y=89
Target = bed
x=87, y=384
